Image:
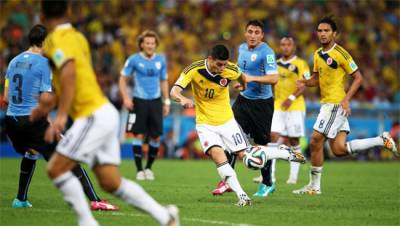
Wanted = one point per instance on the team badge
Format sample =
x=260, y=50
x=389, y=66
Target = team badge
x=253, y=57
x=141, y=65
x=223, y=82
x=158, y=65
x=292, y=67
x=329, y=61
x=205, y=143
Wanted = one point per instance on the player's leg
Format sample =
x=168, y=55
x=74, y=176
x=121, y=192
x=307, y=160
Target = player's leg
x=138, y=120
x=155, y=130
x=228, y=175
x=295, y=129
x=294, y=143
x=59, y=171
x=27, y=168
x=317, y=159
x=95, y=201
x=132, y=193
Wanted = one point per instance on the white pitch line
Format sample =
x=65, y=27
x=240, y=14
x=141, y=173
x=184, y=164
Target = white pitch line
x=142, y=215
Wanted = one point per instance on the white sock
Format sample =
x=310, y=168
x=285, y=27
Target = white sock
x=134, y=195
x=273, y=169
x=274, y=152
x=355, y=146
x=315, y=177
x=229, y=175
x=73, y=193
x=294, y=166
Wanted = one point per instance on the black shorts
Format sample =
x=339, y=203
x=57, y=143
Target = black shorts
x=25, y=135
x=255, y=117
x=148, y=119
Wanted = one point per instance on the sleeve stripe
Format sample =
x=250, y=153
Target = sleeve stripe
x=179, y=86
x=344, y=54
x=233, y=68
x=195, y=64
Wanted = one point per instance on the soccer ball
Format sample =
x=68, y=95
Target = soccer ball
x=255, y=158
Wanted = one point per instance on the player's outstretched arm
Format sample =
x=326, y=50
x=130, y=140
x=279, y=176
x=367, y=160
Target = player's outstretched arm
x=176, y=95
x=265, y=79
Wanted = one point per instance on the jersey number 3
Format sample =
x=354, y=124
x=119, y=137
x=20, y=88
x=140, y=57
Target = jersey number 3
x=17, y=79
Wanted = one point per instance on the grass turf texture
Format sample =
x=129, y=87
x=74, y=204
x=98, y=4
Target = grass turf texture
x=354, y=193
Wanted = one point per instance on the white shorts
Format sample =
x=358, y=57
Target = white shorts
x=228, y=136
x=331, y=120
x=93, y=139
x=288, y=123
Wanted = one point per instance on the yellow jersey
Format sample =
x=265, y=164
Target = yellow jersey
x=332, y=66
x=66, y=43
x=211, y=92
x=289, y=72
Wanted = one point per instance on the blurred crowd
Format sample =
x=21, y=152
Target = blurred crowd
x=368, y=29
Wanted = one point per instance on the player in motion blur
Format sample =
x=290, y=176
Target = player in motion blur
x=290, y=108
x=331, y=64
x=28, y=84
x=254, y=107
x=215, y=123
x=93, y=136
x=149, y=70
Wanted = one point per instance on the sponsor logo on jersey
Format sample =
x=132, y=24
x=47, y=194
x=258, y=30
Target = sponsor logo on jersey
x=292, y=67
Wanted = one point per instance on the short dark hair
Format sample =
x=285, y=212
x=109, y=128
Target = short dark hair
x=36, y=35
x=220, y=52
x=54, y=9
x=328, y=20
x=256, y=23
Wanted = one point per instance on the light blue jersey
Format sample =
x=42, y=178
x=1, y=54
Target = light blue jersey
x=28, y=75
x=147, y=74
x=257, y=62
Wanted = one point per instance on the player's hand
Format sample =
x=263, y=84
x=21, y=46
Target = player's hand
x=166, y=109
x=53, y=133
x=346, y=107
x=37, y=113
x=286, y=104
x=128, y=104
x=238, y=86
x=187, y=103
x=301, y=83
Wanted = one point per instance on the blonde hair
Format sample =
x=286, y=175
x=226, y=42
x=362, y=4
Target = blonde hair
x=145, y=34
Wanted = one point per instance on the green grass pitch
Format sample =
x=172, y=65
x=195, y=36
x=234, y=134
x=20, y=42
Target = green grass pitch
x=354, y=193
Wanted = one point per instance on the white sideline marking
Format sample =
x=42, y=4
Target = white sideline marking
x=140, y=215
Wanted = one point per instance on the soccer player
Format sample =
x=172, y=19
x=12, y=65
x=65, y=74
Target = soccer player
x=332, y=64
x=93, y=136
x=215, y=123
x=149, y=70
x=289, y=114
x=28, y=84
x=254, y=107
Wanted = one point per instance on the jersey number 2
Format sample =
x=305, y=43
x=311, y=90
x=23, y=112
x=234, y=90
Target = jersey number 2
x=17, y=79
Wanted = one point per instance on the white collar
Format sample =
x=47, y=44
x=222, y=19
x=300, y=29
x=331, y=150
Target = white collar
x=329, y=49
x=147, y=58
x=288, y=61
x=63, y=26
x=209, y=72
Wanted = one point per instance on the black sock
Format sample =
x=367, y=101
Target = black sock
x=138, y=154
x=231, y=159
x=87, y=185
x=152, y=156
x=266, y=173
x=27, y=169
